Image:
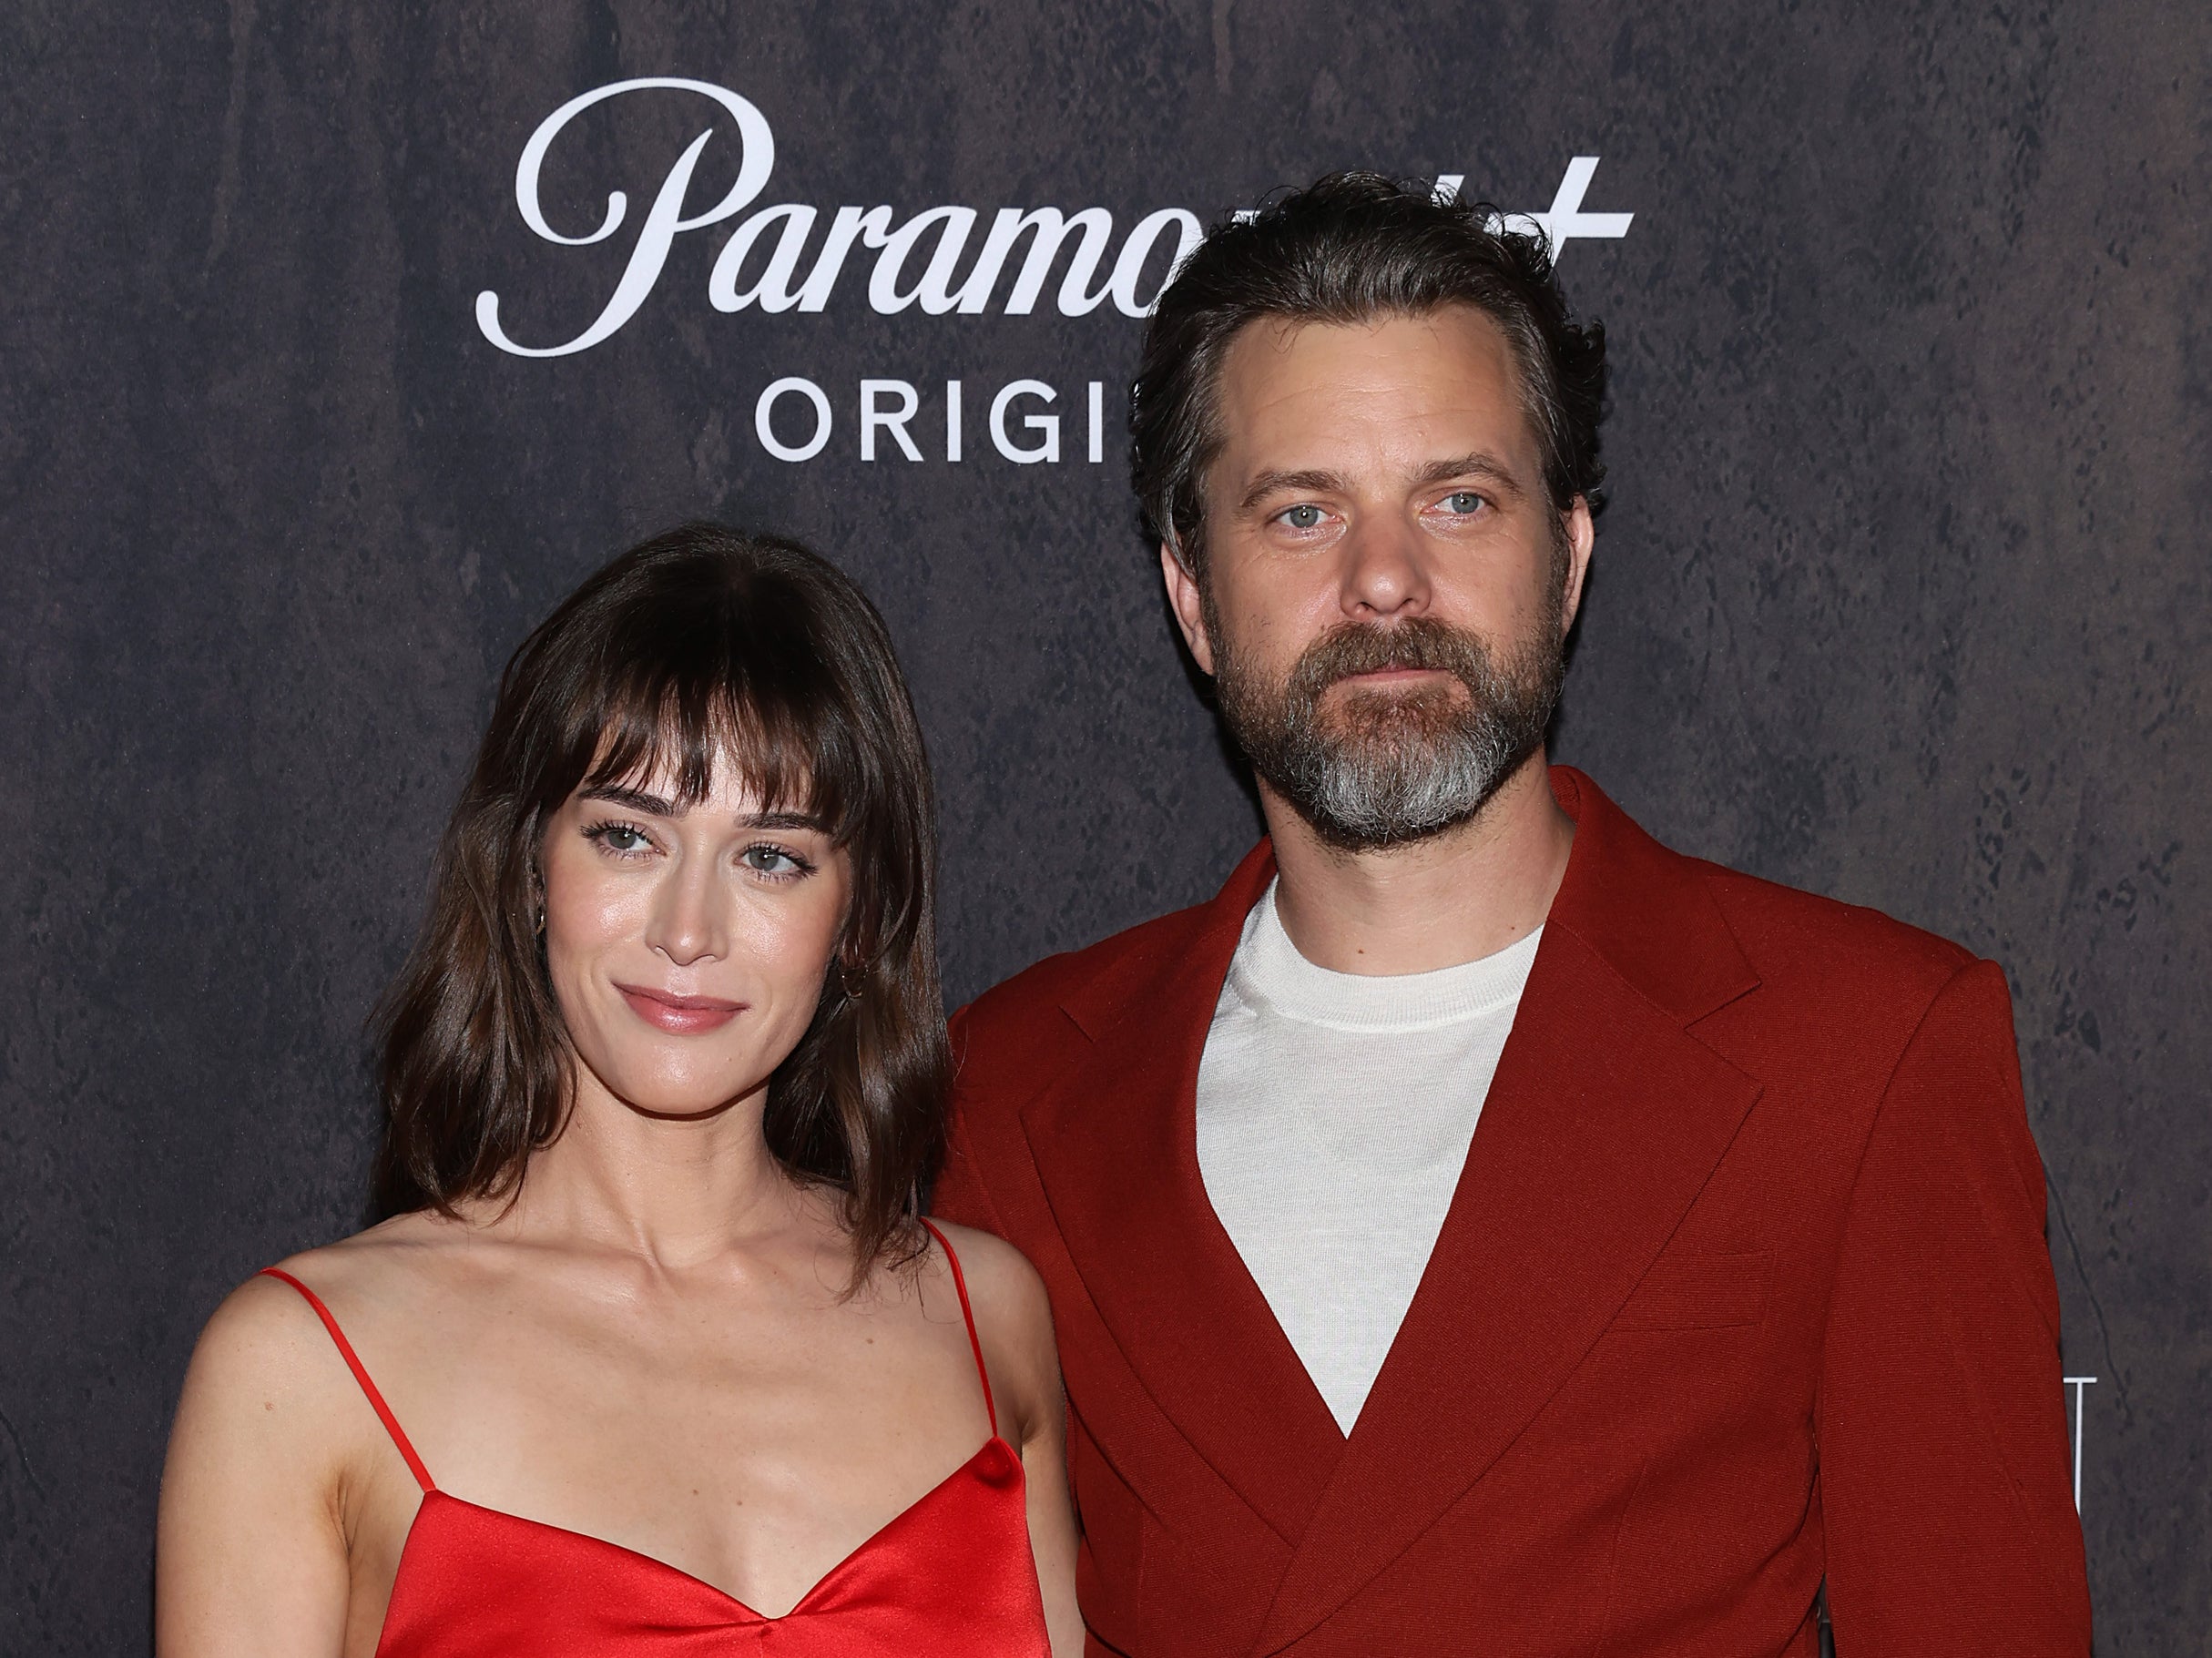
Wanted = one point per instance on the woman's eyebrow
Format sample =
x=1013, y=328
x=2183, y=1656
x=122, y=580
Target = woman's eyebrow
x=636, y=799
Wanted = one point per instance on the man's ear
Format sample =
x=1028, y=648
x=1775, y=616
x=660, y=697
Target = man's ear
x=1582, y=534
x=1189, y=606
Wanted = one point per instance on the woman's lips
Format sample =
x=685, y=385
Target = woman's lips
x=681, y=1015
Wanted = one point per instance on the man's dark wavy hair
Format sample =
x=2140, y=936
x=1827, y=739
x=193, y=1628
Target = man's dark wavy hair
x=1353, y=247
x=699, y=642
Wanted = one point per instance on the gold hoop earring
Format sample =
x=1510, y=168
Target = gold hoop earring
x=850, y=981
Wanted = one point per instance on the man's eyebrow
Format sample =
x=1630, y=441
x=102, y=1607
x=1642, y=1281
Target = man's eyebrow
x=1274, y=483
x=1476, y=464
x=636, y=800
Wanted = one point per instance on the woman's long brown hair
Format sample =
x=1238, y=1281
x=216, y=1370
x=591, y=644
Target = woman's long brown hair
x=699, y=642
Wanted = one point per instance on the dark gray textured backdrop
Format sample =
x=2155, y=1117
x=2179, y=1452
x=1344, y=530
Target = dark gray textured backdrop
x=1902, y=597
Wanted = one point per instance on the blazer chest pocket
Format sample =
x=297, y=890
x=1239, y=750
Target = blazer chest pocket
x=1698, y=1292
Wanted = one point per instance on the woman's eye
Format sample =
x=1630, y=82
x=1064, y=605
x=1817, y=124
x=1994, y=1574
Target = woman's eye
x=771, y=861
x=624, y=840
x=1305, y=516
x=1462, y=500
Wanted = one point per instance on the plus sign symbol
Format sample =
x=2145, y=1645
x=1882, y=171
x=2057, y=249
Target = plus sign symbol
x=1564, y=220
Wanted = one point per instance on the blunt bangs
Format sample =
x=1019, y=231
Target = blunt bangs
x=667, y=722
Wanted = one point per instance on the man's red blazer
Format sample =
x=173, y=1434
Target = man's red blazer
x=1744, y=1285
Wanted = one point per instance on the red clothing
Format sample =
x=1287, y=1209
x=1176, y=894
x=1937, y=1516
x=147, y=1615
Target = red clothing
x=951, y=1576
x=1744, y=1285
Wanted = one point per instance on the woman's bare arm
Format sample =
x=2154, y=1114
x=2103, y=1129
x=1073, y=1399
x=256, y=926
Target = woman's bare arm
x=251, y=1559
x=1013, y=1317
x=1052, y=1514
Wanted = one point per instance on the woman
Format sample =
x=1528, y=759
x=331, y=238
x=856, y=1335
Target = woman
x=656, y=1357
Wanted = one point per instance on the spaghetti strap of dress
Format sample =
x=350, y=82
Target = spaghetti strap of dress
x=960, y=1282
x=376, y=1400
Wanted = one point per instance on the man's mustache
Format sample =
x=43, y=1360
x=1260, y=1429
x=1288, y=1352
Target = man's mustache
x=1363, y=647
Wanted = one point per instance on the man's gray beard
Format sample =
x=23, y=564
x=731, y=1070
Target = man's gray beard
x=1392, y=767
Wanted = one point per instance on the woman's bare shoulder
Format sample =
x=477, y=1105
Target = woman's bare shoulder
x=998, y=1277
x=267, y=1387
x=262, y=1336
x=267, y=1341
x=266, y=1328
x=381, y=1264
x=1012, y=1313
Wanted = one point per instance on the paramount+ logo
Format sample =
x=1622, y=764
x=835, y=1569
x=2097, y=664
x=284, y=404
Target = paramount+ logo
x=949, y=259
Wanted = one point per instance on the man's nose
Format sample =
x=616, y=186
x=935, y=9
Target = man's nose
x=1384, y=572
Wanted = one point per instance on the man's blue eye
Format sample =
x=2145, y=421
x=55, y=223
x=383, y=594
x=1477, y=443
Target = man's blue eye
x=1303, y=517
x=1464, y=501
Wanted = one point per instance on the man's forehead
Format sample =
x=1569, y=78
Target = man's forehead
x=1277, y=345
x=1287, y=381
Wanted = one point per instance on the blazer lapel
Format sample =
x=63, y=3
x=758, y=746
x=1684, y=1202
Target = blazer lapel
x=1116, y=1148
x=1602, y=1124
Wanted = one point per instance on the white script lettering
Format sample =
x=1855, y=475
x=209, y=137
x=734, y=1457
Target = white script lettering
x=663, y=222
x=771, y=245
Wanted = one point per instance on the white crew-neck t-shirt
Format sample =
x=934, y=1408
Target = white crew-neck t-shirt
x=1334, y=1114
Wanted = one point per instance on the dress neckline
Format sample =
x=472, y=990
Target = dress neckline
x=589, y=1540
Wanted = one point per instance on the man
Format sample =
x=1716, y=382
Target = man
x=1481, y=1229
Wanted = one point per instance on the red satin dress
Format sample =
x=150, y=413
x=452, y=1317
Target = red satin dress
x=951, y=1576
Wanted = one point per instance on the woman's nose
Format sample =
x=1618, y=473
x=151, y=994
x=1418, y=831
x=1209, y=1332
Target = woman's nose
x=685, y=924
